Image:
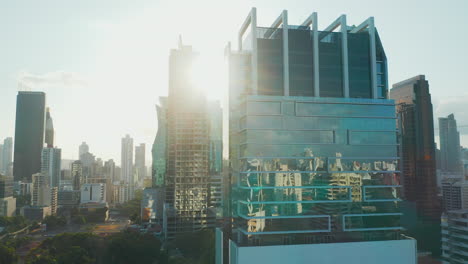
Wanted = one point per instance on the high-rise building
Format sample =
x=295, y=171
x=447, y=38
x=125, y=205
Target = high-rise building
x=41, y=191
x=109, y=170
x=450, y=145
x=158, y=150
x=312, y=146
x=84, y=148
x=187, y=150
x=88, y=161
x=216, y=156
x=50, y=165
x=454, y=233
x=127, y=159
x=140, y=166
x=29, y=134
x=419, y=174
x=6, y=186
x=7, y=201
x=7, y=157
x=454, y=194
x=1, y=159
x=77, y=175
x=49, y=130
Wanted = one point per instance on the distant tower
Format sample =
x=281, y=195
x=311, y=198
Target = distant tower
x=7, y=155
x=77, y=174
x=84, y=148
x=127, y=159
x=49, y=130
x=29, y=134
x=450, y=145
x=158, y=150
x=140, y=161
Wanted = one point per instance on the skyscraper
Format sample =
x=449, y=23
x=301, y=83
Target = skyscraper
x=312, y=147
x=84, y=148
x=140, y=166
x=1, y=158
x=158, y=150
x=7, y=155
x=77, y=175
x=187, y=150
x=49, y=130
x=416, y=126
x=50, y=165
x=216, y=156
x=41, y=190
x=127, y=159
x=450, y=145
x=109, y=170
x=29, y=134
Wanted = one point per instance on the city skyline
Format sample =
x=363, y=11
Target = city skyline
x=67, y=74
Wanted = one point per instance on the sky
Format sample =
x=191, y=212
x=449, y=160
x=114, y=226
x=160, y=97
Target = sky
x=103, y=64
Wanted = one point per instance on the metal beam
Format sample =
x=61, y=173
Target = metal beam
x=313, y=20
x=341, y=21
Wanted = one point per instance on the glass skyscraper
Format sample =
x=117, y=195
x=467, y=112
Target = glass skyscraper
x=29, y=134
x=312, y=145
x=416, y=126
x=450, y=145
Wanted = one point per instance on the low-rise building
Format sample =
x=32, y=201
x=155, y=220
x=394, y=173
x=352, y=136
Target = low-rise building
x=35, y=213
x=93, y=193
x=7, y=206
x=68, y=198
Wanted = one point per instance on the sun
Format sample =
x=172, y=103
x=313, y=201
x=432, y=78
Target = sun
x=209, y=75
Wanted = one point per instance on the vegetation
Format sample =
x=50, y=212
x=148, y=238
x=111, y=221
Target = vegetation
x=77, y=248
x=54, y=222
x=197, y=247
x=13, y=223
x=7, y=254
x=132, y=247
x=131, y=209
x=120, y=248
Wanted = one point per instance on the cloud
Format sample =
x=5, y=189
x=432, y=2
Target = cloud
x=456, y=105
x=57, y=79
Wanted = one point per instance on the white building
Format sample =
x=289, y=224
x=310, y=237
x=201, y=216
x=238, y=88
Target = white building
x=455, y=194
x=40, y=190
x=93, y=193
x=50, y=165
x=7, y=206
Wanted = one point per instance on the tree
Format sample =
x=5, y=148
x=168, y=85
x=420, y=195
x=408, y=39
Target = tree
x=132, y=247
x=198, y=246
x=54, y=222
x=68, y=248
x=7, y=254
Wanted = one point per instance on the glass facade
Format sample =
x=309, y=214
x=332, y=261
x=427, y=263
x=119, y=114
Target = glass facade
x=305, y=167
x=301, y=172
x=301, y=63
x=29, y=134
x=331, y=64
x=158, y=150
